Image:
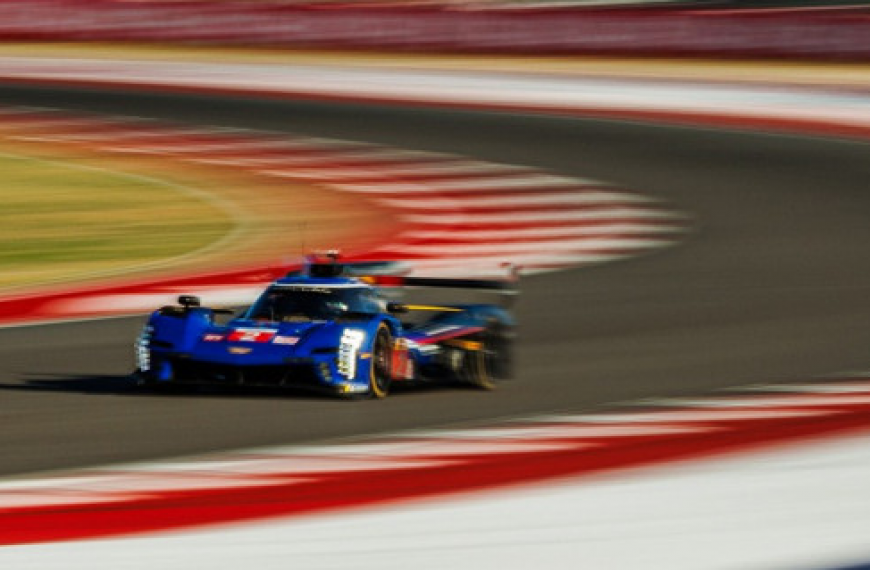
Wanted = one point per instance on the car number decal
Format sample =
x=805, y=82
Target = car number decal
x=251, y=335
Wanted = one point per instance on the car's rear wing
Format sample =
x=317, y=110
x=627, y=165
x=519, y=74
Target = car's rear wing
x=507, y=288
x=499, y=285
x=395, y=274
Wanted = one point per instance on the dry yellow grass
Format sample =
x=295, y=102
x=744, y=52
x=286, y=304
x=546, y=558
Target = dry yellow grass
x=73, y=213
x=60, y=220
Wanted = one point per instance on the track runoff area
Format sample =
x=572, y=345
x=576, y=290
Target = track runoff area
x=551, y=490
x=442, y=214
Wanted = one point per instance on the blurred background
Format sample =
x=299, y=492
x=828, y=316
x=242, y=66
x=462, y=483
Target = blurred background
x=149, y=148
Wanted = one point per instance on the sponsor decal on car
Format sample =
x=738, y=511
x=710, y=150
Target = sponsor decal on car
x=212, y=337
x=251, y=335
x=286, y=340
x=441, y=330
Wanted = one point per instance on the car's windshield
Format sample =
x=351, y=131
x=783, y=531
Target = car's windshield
x=301, y=303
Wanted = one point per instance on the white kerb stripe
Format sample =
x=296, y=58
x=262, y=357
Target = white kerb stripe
x=573, y=245
x=762, y=402
x=122, y=134
x=616, y=213
x=181, y=147
x=684, y=416
x=471, y=184
x=378, y=172
x=319, y=156
x=53, y=122
x=832, y=388
x=432, y=447
x=563, y=431
x=579, y=198
x=478, y=262
x=449, y=167
x=544, y=233
x=287, y=462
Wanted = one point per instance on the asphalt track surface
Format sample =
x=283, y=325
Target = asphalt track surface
x=773, y=285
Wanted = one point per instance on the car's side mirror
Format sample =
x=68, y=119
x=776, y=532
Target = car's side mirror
x=188, y=301
x=396, y=308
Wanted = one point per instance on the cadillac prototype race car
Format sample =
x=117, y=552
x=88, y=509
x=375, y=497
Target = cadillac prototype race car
x=329, y=327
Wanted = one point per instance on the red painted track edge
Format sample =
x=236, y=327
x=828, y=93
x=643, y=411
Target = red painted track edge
x=174, y=510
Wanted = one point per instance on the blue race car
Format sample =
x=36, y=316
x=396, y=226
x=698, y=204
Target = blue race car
x=328, y=327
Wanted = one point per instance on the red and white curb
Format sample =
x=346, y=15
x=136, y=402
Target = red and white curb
x=560, y=485
x=551, y=491
x=840, y=110
x=453, y=215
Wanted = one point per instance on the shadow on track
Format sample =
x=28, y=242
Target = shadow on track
x=113, y=385
x=96, y=385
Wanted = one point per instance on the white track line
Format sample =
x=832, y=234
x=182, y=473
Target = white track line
x=531, y=247
x=579, y=198
x=690, y=415
x=826, y=388
x=561, y=431
x=763, y=401
x=616, y=213
x=535, y=181
x=542, y=234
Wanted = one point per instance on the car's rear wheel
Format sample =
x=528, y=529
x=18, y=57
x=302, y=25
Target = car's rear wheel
x=476, y=371
x=493, y=360
x=499, y=350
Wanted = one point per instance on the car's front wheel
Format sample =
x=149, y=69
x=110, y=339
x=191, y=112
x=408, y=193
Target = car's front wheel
x=380, y=376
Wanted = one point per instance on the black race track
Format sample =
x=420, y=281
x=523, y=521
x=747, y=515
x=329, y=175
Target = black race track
x=774, y=286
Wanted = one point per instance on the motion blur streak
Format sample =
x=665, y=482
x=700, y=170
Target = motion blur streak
x=288, y=481
x=765, y=511
x=768, y=302
x=623, y=223
x=830, y=110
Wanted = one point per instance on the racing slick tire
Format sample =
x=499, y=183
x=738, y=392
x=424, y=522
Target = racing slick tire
x=475, y=370
x=493, y=361
x=380, y=374
x=499, y=350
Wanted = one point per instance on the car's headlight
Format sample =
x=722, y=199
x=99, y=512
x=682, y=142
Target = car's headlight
x=143, y=349
x=348, y=351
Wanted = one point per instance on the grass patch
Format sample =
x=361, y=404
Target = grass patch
x=60, y=221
